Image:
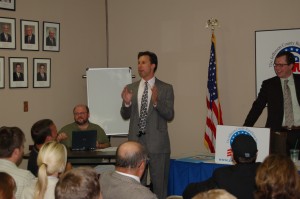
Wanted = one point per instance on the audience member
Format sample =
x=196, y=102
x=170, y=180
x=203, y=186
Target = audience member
x=238, y=179
x=81, y=117
x=11, y=152
x=42, y=131
x=277, y=178
x=51, y=160
x=7, y=186
x=78, y=183
x=214, y=194
x=124, y=182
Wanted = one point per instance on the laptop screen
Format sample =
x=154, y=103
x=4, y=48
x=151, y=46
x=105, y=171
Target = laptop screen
x=84, y=140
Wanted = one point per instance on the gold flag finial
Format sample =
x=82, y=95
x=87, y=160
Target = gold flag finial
x=212, y=23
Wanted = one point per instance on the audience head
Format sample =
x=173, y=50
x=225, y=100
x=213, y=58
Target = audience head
x=78, y=183
x=12, y=144
x=277, y=177
x=81, y=114
x=51, y=160
x=214, y=194
x=152, y=56
x=244, y=149
x=132, y=158
x=43, y=131
x=7, y=186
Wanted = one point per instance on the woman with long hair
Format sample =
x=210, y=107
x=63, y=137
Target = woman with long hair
x=52, y=159
x=277, y=178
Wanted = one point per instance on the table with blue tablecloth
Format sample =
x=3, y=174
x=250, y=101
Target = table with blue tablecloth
x=182, y=173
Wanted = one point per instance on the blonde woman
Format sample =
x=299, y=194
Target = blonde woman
x=52, y=159
x=214, y=194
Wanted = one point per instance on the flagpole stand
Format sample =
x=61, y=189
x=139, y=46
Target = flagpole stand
x=212, y=23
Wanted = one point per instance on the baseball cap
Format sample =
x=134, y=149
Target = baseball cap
x=244, y=146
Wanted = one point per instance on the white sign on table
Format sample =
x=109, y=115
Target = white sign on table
x=226, y=134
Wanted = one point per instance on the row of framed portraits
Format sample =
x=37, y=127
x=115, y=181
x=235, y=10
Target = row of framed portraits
x=18, y=72
x=29, y=37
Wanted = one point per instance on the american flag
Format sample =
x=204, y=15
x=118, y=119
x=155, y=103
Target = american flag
x=214, y=112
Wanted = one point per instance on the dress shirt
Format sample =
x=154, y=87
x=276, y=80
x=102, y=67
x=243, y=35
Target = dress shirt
x=22, y=177
x=129, y=175
x=151, y=83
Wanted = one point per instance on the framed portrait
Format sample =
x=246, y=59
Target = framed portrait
x=8, y=33
x=268, y=43
x=41, y=73
x=29, y=35
x=8, y=4
x=1, y=72
x=18, y=72
x=51, y=36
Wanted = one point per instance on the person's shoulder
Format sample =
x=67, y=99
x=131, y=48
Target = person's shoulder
x=67, y=126
x=93, y=126
x=272, y=79
x=158, y=81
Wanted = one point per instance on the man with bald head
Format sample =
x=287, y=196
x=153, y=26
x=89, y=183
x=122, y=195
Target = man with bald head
x=131, y=162
x=81, y=122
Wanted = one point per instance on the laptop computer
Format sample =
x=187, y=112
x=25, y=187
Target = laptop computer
x=84, y=140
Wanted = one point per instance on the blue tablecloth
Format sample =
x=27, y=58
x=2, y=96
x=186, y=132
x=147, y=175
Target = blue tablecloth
x=183, y=173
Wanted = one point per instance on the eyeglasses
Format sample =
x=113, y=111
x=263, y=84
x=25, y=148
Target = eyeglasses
x=280, y=65
x=80, y=113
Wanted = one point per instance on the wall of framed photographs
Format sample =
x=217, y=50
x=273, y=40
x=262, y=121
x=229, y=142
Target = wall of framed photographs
x=29, y=41
x=51, y=82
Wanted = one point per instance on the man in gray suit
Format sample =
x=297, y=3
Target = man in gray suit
x=124, y=183
x=150, y=127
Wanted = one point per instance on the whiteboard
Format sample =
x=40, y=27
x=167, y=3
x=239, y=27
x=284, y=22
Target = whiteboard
x=104, y=87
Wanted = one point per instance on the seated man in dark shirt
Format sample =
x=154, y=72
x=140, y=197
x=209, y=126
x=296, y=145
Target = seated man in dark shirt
x=238, y=179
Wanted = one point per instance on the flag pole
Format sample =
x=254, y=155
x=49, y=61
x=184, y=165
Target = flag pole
x=214, y=112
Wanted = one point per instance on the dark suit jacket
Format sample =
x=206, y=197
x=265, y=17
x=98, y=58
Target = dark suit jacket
x=49, y=43
x=32, y=39
x=2, y=37
x=114, y=185
x=32, y=161
x=157, y=137
x=272, y=95
x=16, y=78
x=40, y=78
x=239, y=180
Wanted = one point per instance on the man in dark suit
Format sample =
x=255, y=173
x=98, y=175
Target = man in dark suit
x=150, y=127
x=29, y=36
x=42, y=75
x=124, y=182
x=5, y=36
x=284, y=135
x=18, y=74
x=238, y=179
x=50, y=40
